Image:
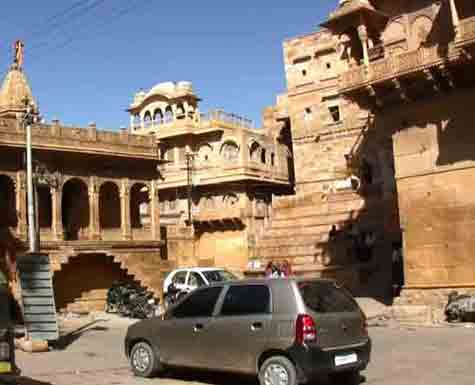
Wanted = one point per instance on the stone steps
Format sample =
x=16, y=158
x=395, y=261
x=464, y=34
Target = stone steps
x=279, y=241
x=312, y=220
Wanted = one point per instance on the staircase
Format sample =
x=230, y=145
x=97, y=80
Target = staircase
x=299, y=232
x=135, y=268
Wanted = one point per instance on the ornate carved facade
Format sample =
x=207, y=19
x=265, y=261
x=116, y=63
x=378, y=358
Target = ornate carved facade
x=218, y=170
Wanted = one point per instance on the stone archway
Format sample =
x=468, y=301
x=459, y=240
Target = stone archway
x=82, y=284
x=139, y=206
x=109, y=206
x=75, y=210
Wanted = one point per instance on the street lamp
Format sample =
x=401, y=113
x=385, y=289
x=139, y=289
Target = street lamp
x=30, y=117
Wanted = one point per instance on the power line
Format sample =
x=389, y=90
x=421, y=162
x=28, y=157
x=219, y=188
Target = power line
x=117, y=14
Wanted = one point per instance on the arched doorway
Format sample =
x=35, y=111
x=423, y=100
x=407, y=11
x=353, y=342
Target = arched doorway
x=109, y=206
x=75, y=210
x=139, y=206
x=8, y=217
x=45, y=207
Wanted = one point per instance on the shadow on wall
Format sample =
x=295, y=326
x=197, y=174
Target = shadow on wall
x=456, y=137
x=363, y=243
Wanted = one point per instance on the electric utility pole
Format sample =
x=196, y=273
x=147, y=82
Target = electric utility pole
x=189, y=182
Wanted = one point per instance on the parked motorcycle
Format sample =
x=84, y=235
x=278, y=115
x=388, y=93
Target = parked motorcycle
x=130, y=300
x=460, y=308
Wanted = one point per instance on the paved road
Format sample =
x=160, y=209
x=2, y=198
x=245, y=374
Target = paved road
x=429, y=356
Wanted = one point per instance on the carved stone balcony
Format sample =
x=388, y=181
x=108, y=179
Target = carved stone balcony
x=390, y=68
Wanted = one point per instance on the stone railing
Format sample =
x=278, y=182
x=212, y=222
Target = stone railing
x=88, y=140
x=467, y=31
x=390, y=67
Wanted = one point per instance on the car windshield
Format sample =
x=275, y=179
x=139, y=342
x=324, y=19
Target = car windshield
x=219, y=276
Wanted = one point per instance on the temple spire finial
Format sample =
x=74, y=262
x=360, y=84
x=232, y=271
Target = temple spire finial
x=19, y=48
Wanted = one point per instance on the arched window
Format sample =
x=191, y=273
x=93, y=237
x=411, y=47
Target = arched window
x=109, y=206
x=147, y=119
x=158, y=117
x=168, y=117
x=230, y=151
x=263, y=156
x=75, y=209
x=254, y=151
x=139, y=206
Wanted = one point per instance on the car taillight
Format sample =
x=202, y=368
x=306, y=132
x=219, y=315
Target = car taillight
x=305, y=329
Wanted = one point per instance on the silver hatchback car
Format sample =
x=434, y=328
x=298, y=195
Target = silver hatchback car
x=285, y=331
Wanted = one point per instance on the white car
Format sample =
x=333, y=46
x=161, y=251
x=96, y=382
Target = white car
x=187, y=280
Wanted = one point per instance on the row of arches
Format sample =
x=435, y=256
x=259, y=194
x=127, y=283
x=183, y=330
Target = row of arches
x=163, y=115
x=259, y=154
x=75, y=206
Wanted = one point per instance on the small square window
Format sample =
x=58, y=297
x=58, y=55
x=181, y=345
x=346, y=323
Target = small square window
x=329, y=65
x=304, y=72
x=335, y=113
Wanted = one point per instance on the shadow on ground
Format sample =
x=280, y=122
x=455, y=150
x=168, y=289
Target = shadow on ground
x=69, y=338
x=216, y=378
x=4, y=380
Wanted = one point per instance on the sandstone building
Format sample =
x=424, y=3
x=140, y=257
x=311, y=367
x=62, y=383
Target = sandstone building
x=217, y=178
x=98, y=206
x=382, y=92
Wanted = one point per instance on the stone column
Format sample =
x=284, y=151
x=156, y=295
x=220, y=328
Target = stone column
x=363, y=35
x=94, y=224
x=125, y=210
x=57, y=219
x=154, y=210
x=455, y=17
x=21, y=207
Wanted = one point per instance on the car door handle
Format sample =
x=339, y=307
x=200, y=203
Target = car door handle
x=198, y=328
x=256, y=326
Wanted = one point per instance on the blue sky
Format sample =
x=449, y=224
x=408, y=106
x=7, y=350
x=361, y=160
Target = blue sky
x=86, y=66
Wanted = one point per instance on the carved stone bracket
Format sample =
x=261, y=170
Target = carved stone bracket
x=374, y=95
x=447, y=75
x=401, y=90
x=430, y=77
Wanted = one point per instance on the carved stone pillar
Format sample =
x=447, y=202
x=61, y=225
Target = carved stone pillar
x=455, y=17
x=154, y=210
x=363, y=35
x=21, y=207
x=56, y=217
x=94, y=224
x=125, y=210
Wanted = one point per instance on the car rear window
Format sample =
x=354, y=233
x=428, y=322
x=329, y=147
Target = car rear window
x=326, y=297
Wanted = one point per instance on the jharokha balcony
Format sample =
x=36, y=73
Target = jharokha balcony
x=394, y=67
x=383, y=67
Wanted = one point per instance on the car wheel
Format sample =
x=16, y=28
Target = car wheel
x=351, y=377
x=277, y=370
x=143, y=360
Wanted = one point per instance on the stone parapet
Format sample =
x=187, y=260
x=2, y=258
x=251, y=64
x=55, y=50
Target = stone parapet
x=79, y=140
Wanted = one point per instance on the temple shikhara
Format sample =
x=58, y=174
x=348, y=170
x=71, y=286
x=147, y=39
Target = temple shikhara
x=362, y=171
